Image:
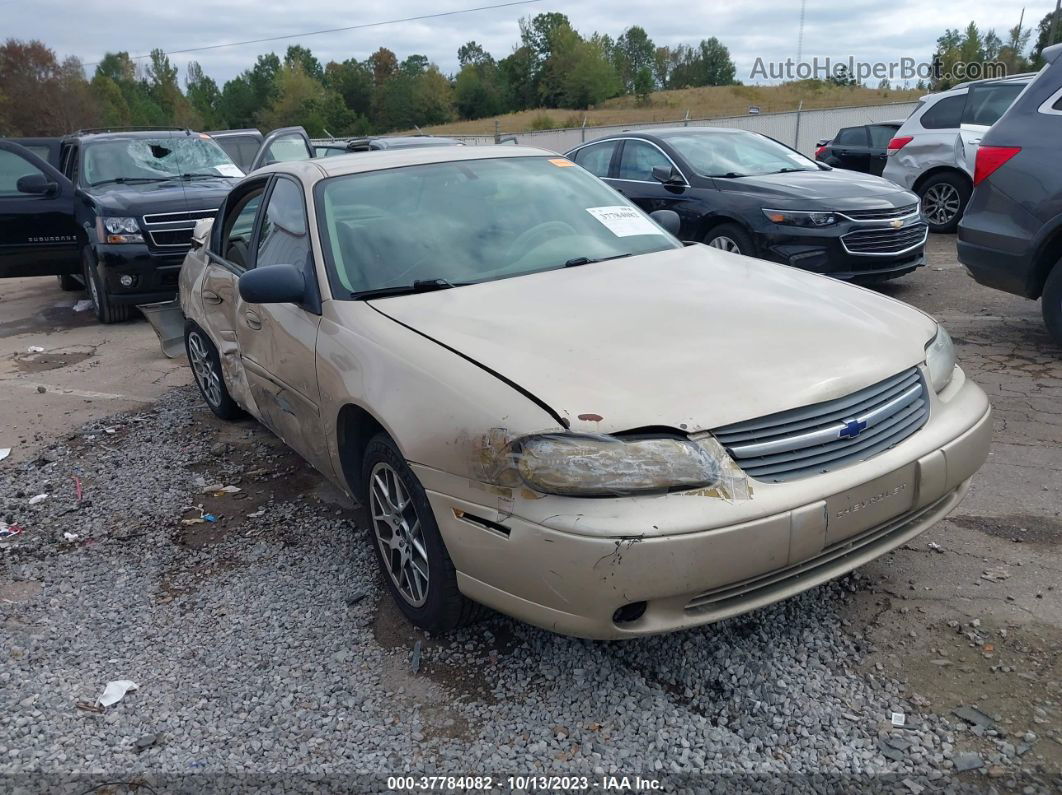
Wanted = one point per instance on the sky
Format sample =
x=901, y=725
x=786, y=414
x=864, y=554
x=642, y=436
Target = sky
x=868, y=30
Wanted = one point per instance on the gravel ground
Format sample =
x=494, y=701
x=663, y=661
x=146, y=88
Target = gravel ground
x=263, y=642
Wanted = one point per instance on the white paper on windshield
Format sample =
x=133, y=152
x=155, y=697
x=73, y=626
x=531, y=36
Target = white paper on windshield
x=229, y=170
x=624, y=221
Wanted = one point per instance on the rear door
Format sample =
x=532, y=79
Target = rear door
x=38, y=234
x=985, y=103
x=240, y=145
x=880, y=135
x=280, y=146
x=851, y=149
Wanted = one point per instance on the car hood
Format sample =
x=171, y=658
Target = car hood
x=162, y=197
x=857, y=191
x=690, y=338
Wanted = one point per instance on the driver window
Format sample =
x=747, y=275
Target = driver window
x=639, y=159
x=284, y=238
x=12, y=168
x=239, y=226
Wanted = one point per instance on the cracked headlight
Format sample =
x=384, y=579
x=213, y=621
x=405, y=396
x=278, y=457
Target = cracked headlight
x=119, y=229
x=590, y=465
x=940, y=360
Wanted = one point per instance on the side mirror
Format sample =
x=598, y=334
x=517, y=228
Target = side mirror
x=37, y=184
x=667, y=219
x=667, y=175
x=273, y=284
x=201, y=232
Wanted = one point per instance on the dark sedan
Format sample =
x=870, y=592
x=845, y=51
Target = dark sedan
x=746, y=193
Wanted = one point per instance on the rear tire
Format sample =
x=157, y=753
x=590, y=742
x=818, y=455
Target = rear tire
x=106, y=311
x=731, y=238
x=409, y=548
x=69, y=283
x=206, y=367
x=944, y=199
x=1051, y=303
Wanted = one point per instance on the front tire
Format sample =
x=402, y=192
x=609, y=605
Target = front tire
x=106, y=311
x=944, y=200
x=206, y=367
x=1051, y=303
x=409, y=548
x=730, y=238
x=69, y=283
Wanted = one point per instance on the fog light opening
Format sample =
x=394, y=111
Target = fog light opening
x=126, y=280
x=629, y=613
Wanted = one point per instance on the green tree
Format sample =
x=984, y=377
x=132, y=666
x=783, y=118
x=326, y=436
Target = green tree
x=472, y=54
x=297, y=54
x=1044, y=38
x=433, y=98
x=634, y=52
x=384, y=66
x=204, y=96
x=517, y=73
x=577, y=74
x=352, y=80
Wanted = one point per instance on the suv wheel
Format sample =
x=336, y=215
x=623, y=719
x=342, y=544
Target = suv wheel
x=1052, y=303
x=69, y=283
x=944, y=198
x=206, y=367
x=106, y=312
x=409, y=548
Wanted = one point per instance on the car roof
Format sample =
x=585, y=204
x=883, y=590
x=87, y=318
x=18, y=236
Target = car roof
x=119, y=135
x=380, y=160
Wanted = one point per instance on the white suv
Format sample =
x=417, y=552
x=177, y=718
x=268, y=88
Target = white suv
x=933, y=152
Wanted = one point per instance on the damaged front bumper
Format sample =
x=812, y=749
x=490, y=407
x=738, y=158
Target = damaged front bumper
x=621, y=568
x=167, y=319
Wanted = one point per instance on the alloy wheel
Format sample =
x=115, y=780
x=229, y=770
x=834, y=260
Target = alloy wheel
x=206, y=374
x=941, y=203
x=398, y=532
x=725, y=243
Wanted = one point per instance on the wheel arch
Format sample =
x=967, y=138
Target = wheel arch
x=1047, y=257
x=355, y=428
x=923, y=178
x=710, y=222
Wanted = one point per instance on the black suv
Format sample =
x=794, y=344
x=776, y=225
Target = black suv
x=117, y=215
x=1010, y=237
x=859, y=148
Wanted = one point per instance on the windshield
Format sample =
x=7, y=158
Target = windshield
x=155, y=159
x=473, y=220
x=737, y=154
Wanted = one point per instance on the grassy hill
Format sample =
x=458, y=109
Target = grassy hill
x=706, y=102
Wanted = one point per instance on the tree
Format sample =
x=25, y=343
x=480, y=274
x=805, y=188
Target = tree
x=576, y=74
x=352, y=80
x=517, y=72
x=1044, y=38
x=204, y=96
x=472, y=54
x=708, y=64
x=29, y=76
x=662, y=66
x=297, y=54
x=384, y=66
x=634, y=51
x=415, y=65
x=433, y=98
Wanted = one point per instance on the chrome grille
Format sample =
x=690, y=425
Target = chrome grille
x=882, y=214
x=173, y=230
x=171, y=237
x=175, y=218
x=885, y=241
x=813, y=439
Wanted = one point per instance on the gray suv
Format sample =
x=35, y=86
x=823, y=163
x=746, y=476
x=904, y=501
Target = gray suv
x=933, y=151
x=1011, y=235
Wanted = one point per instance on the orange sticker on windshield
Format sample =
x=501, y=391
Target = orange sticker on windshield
x=561, y=162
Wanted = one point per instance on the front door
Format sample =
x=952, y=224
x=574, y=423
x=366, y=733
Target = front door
x=851, y=149
x=278, y=342
x=634, y=179
x=38, y=234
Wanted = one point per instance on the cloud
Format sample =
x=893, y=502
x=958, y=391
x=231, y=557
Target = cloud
x=863, y=29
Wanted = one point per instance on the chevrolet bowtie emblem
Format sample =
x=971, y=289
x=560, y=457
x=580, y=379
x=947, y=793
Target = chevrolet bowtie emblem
x=896, y=224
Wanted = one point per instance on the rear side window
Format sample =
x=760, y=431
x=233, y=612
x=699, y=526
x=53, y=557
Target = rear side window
x=985, y=104
x=851, y=136
x=944, y=114
x=596, y=157
x=881, y=134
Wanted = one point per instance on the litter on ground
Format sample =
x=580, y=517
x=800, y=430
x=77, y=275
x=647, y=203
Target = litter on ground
x=115, y=692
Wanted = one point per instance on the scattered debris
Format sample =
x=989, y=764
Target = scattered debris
x=83, y=305
x=898, y=719
x=115, y=692
x=88, y=706
x=10, y=530
x=968, y=761
x=415, y=662
x=974, y=716
x=4, y=452
x=995, y=575
x=77, y=488
x=217, y=489
x=257, y=514
x=36, y=349
x=933, y=545
x=201, y=519
x=71, y=536
x=356, y=597
x=38, y=499
x=41, y=389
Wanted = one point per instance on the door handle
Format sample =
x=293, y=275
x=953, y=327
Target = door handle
x=253, y=321
x=210, y=297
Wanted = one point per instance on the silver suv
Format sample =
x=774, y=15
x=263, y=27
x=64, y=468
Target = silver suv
x=933, y=152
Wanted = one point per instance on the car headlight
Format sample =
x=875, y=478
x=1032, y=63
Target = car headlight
x=800, y=218
x=597, y=465
x=940, y=359
x=119, y=229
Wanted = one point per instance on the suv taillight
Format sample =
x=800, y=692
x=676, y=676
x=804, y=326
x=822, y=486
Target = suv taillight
x=990, y=158
x=819, y=151
x=896, y=144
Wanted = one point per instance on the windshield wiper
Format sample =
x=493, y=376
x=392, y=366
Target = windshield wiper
x=419, y=286
x=792, y=170
x=576, y=261
x=195, y=174
x=128, y=181
x=727, y=175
